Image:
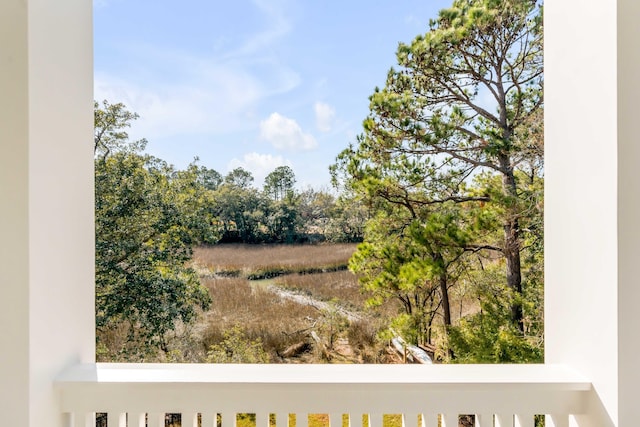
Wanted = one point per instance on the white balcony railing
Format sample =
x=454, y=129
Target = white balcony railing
x=500, y=395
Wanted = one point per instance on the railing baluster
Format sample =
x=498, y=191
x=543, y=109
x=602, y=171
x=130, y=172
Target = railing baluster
x=302, y=420
x=75, y=419
x=484, y=420
x=81, y=419
x=229, y=419
x=262, y=419
x=335, y=420
x=408, y=420
x=189, y=419
x=375, y=420
x=91, y=419
x=282, y=419
x=503, y=420
x=155, y=419
x=116, y=419
x=208, y=419
x=136, y=419
x=557, y=420
x=429, y=419
x=449, y=420
x=524, y=420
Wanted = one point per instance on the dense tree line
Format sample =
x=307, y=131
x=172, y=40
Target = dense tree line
x=280, y=213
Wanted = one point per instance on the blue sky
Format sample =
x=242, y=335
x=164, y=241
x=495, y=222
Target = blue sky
x=251, y=83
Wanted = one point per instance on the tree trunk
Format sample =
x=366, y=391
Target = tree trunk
x=445, y=300
x=512, y=241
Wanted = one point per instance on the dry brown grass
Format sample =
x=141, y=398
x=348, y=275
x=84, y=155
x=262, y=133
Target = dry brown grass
x=343, y=288
x=337, y=285
x=279, y=322
x=262, y=315
x=247, y=258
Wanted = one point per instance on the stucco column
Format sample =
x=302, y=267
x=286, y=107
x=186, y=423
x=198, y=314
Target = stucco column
x=628, y=211
x=592, y=64
x=46, y=194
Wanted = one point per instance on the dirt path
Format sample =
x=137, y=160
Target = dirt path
x=313, y=302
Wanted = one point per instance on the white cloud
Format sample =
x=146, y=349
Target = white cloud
x=208, y=97
x=178, y=93
x=285, y=133
x=277, y=23
x=260, y=165
x=324, y=116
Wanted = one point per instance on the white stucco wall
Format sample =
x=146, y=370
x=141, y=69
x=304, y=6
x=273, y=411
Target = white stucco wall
x=591, y=198
x=14, y=266
x=628, y=211
x=46, y=188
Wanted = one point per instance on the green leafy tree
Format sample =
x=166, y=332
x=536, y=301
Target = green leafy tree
x=315, y=208
x=142, y=246
x=414, y=261
x=239, y=178
x=489, y=336
x=194, y=201
x=279, y=183
x=241, y=212
x=208, y=178
x=463, y=102
x=347, y=219
x=282, y=219
x=148, y=217
x=110, y=124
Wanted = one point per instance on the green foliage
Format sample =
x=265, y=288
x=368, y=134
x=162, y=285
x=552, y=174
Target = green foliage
x=490, y=337
x=110, y=122
x=239, y=178
x=279, y=183
x=241, y=211
x=143, y=242
x=194, y=198
x=279, y=214
x=208, y=178
x=450, y=163
x=148, y=217
x=237, y=348
x=413, y=260
x=346, y=220
x=283, y=220
x=315, y=208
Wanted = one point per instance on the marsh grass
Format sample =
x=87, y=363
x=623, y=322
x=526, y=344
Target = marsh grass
x=232, y=274
x=337, y=285
x=265, y=261
x=262, y=315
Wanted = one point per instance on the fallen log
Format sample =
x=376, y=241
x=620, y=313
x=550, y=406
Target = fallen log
x=295, y=349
